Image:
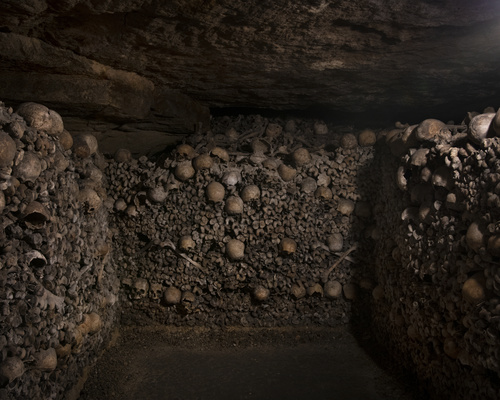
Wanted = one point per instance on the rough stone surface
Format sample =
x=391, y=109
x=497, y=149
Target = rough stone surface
x=109, y=102
x=388, y=57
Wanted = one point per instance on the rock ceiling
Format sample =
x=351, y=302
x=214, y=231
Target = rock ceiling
x=159, y=66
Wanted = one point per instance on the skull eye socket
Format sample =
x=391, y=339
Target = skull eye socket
x=35, y=219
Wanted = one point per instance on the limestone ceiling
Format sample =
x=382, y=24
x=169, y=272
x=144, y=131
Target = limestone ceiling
x=369, y=57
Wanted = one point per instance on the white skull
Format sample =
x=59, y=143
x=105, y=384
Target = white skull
x=231, y=178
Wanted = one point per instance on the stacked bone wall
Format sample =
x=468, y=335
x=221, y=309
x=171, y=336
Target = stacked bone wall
x=185, y=257
x=437, y=302
x=57, y=287
x=259, y=222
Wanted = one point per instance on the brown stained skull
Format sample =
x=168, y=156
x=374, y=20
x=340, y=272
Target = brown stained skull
x=186, y=243
x=215, y=192
x=66, y=140
x=155, y=291
x=90, y=200
x=157, y=194
x=7, y=150
x=46, y=360
x=220, y=153
x=35, y=215
x=35, y=259
x=11, y=368
x=273, y=130
x=184, y=171
x=323, y=193
x=188, y=299
x=92, y=323
x=301, y=157
x=233, y=205
x=29, y=168
x=261, y=293
x=36, y=115
x=85, y=145
x=140, y=289
x=122, y=155
x=250, y=193
x=202, y=162
x=480, y=127
x=185, y=152
x=235, y=250
x=286, y=173
x=288, y=246
x=308, y=185
x=172, y=295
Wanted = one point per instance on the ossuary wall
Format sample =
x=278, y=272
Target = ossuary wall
x=58, y=288
x=258, y=222
x=436, y=305
x=244, y=226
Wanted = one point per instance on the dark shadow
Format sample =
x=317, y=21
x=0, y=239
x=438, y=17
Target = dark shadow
x=373, y=116
x=373, y=334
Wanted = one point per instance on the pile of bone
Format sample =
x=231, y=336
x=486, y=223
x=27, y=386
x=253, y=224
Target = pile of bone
x=56, y=287
x=248, y=224
x=438, y=298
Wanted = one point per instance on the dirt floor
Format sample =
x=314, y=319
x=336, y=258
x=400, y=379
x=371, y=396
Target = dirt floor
x=166, y=363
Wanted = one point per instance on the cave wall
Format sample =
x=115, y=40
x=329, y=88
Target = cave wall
x=418, y=215
x=117, y=106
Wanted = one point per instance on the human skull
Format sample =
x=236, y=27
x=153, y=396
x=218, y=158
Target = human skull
x=90, y=200
x=288, y=246
x=155, y=291
x=35, y=215
x=231, y=178
x=188, y=302
x=186, y=243
x=139, y=289
x=29, y=168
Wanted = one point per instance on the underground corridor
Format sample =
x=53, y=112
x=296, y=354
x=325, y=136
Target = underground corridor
x=239, y=200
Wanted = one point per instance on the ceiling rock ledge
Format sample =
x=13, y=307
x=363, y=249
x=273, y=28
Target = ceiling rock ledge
x=115, y=105
x=118, y=63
